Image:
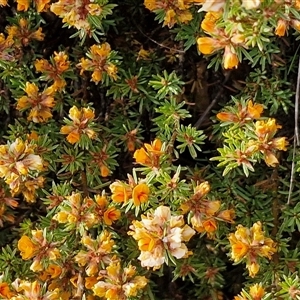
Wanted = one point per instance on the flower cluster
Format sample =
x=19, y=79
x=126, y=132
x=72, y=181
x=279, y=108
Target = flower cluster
x=19, y=167
x=98, y=253
x=119, y=283
x=41, y=5
x=21, y=34
x=266, y=143
x=249, y=244
x=40, y=104
x=256, y=292
x=78, y=212
x=161, y=235
x=242, y=114
x=149, y=156
x=136, y=193
x=205, y=213
x=174, y=11
x=242, y=29
x=220, y=39
x=76, y=13
x=99, y=61
x=79, y=124
x=54, y=70
x=38, y=248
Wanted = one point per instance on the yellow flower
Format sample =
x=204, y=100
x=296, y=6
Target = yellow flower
x=159, y=232
x=110, y=215
x=257, y=291
x=4, y=289
x=41, y=5
x=23, y=5
x=281, y=27
x=210, y=20
x=280, y=143
x=140, y=194
x=39, y=103
x=254, y=111
x=80, y=124
x=169, y=18
x=230, y=59
x=150, y=4
x=3, y=2
x=27, y=248
x=249, y=244
x=120, y=192
x=142, y=157
x=208, y=45
x=104, y=170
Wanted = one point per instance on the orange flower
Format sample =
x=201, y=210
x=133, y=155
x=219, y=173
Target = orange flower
x=257, y=291
x=3, y=2
x=209, y=22
x=23, y=5
x=40, y=103
x=41, y=5
x=227, y=117
x=230, y=59
x=208, y=45
x=239, y=250
x=140, y=194
x=254, y=111
x=79, y=125
x=104, y=170
x=120, y=192
x=110, y=215
x=281, y=27
x=150, y=157
x=26, y=247
x=142, y=157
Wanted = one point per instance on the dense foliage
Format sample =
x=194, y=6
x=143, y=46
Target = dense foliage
x=149, y=149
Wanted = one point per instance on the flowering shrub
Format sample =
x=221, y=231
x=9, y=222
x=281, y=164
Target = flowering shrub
x=149, y=149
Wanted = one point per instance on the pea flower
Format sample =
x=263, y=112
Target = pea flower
x=205, y=213
x=79, y=124
x=76, y=13
x=149, y=155
x=249, y=244
x=54, y=70
x=18, y=164
x=160, y=234
x=243, y=114
x=22, y=33
x=266, y=143
x=98, y=252
x=101, y=209
x=119, y=283
x=76, y=212
x=99, y=62
x=39, y=103
x=256, y=292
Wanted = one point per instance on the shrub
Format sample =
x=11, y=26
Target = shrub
x=149, y=150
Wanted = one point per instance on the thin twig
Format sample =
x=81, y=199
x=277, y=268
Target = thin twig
x=292, y=174
x=297, y=107
x=296, y=135
x=213, y=102
x=155, y=42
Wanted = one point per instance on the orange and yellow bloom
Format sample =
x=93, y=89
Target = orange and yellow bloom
x=160, y=232
x=249, y=244
x=79, y=124
x=99, y=62
x=40, y=104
